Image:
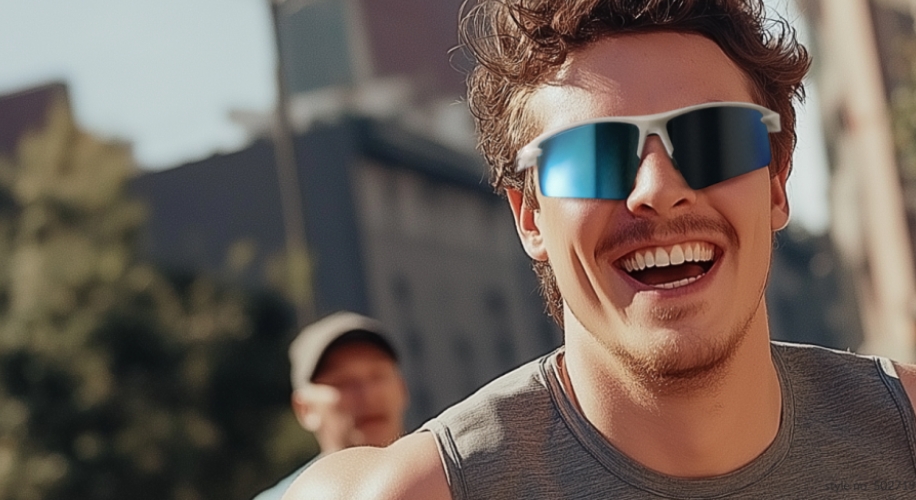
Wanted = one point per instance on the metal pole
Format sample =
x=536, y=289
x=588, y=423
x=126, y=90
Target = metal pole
x=290, y=192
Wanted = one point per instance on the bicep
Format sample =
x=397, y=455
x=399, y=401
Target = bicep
x=409, y=469
x=907, y=374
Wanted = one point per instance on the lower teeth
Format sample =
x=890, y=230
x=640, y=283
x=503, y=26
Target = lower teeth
x=678, y=284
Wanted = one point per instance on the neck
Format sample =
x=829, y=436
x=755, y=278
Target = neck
x=717, y=428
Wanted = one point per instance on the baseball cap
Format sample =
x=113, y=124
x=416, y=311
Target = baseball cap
x=308, y=348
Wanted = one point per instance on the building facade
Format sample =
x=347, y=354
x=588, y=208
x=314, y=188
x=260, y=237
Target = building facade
x=398, y=227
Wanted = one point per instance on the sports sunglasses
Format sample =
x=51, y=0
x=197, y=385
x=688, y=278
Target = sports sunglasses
x=708, y=143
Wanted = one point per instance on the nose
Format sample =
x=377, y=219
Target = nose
x=367, y=394
x=659, y=189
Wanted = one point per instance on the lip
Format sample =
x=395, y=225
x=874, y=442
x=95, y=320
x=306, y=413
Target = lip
x=622, y=252
x=700, y=284
x=716, y=250
x=696, y=286
x=369, y=420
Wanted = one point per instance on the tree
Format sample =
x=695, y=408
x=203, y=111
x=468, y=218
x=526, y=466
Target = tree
x=117, y=380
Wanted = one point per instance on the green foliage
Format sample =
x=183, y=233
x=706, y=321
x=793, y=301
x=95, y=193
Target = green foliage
x=117, y=381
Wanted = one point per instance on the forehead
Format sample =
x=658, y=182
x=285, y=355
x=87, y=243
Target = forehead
x=354, y=355
x=637, y=75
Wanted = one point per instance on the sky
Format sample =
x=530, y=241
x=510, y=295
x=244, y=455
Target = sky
x=161, y=74
x=165, y=74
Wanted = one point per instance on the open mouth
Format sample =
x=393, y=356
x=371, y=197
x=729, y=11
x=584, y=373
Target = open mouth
x=367, y=420
x=670, y=267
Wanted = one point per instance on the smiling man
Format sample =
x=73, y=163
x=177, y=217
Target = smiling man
x=644, y=148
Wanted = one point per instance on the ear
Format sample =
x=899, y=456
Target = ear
x=779, y=201
x=405, y=392
x=526, y=223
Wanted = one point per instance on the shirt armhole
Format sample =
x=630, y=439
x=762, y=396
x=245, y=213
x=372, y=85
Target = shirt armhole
x=891, y=378
x=451, y=460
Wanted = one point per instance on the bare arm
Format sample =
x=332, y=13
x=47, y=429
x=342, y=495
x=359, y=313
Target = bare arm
x=409, y=469
x=908, y=379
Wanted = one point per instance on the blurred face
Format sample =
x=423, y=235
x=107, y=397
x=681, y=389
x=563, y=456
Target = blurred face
x=659, y=322
x=371, y=391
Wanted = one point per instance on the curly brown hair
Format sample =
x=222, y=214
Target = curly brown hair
x=517, y=45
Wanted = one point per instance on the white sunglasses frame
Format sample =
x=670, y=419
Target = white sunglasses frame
x=647, y=124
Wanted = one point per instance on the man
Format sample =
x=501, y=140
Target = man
x=347, y=388
x=644, y=147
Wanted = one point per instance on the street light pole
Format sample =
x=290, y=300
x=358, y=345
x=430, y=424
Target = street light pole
x=298, y=268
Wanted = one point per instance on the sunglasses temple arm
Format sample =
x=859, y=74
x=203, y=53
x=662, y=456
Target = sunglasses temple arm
x=527, y=158
x=771, y=120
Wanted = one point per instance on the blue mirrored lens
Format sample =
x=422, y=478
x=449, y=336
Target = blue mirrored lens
x=592, y=161
x=716, y=144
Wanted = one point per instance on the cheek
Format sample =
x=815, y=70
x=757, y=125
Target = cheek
x=569, y=223
x=349, y=400
x=745, y=203
x=572, y=231
x=748, y=194
x=763, y=209
x=397, y=398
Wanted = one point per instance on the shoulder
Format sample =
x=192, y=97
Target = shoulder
x=907, y=373
x=835, y=374
x=514, y=392
x=820, y=362
x=276, y=491
x=792, y=350
x=811, y=366
x=408, y=469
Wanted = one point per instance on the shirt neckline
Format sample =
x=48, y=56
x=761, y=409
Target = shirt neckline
x=640, y=477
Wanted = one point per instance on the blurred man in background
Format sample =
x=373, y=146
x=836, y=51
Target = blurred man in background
x=347, y=388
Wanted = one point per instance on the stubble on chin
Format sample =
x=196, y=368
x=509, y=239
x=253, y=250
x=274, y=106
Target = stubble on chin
x=676, y=364
x=681, y=365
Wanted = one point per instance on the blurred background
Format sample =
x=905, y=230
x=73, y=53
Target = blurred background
x=184, y=184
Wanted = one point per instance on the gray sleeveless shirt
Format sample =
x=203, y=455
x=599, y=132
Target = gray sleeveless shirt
x=847, y=431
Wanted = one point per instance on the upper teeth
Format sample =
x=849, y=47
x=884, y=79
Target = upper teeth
x=662, y=257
